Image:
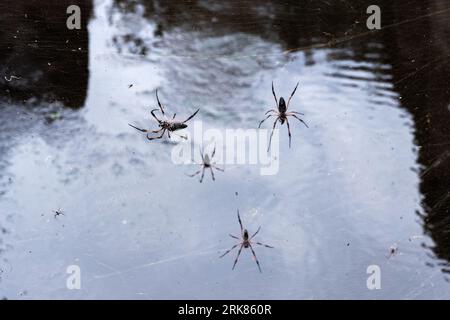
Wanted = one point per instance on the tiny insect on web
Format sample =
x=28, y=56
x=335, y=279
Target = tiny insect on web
x=245, y=242
x=281, y=114
x=58, y=213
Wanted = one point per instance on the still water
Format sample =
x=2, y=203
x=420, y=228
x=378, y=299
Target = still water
x=368, y=183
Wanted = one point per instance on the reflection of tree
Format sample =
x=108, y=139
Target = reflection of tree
x=51, y=60
x=421, y=70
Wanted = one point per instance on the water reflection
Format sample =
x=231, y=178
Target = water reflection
x=366, y=95
x=422, y=77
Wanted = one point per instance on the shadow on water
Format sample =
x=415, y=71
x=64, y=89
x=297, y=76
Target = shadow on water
x=422, y=77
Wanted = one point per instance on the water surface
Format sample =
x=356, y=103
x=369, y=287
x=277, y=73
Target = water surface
x=370, y=174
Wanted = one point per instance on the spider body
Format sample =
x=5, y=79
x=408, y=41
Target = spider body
x=207, y=164
x=245, y=242
x=166, y=124
x=174, y=126
x=281, y=114
x=206, y=161
x=282, y=108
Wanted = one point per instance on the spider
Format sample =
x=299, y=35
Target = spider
x=392, y=251
x=245, y=242
x=281, y=114
x=58, y=213
x=166, y=124
x=207, y=164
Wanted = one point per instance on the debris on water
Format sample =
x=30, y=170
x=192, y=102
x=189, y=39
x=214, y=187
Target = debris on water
x=414, y=238
x=53, y=116
x=22, y=293
x=11, y=78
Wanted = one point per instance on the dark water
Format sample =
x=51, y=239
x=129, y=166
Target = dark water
x=370, y=174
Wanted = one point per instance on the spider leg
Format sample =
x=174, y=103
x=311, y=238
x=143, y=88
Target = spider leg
x=212, y=173
x=229, y=250
x=270, y=140
x=159, y=103
x=275, y=96
x=289, y=113
x=142, y=130
x=194, y=174
x=293, y=115
x=237, y=257
x=293, y=92
x=256, y=259
x=214, y=151
x=240, y=222
x=289, y=131
x=270, y=115
x=216, y=167
x=203, y=174
x=271, y=110
x=158, y=137
x=255, y=233
x=182, y=137
x=154, y=116
x=264, y=245
x=193, y=115
x=233, y=236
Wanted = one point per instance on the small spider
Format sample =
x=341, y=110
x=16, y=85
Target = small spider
x=281, y=114
x=245, y=242
x=166, y=124
x=206, y=163
x=58, y=213
x=392, y=251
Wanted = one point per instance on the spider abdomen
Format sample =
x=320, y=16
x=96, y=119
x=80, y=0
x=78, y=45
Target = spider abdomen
x=177, y=126
x=282, y=105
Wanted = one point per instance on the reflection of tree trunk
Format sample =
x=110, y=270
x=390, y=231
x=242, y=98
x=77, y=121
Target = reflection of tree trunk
x=36, y=45
x=421, y=68
x=294, y=23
